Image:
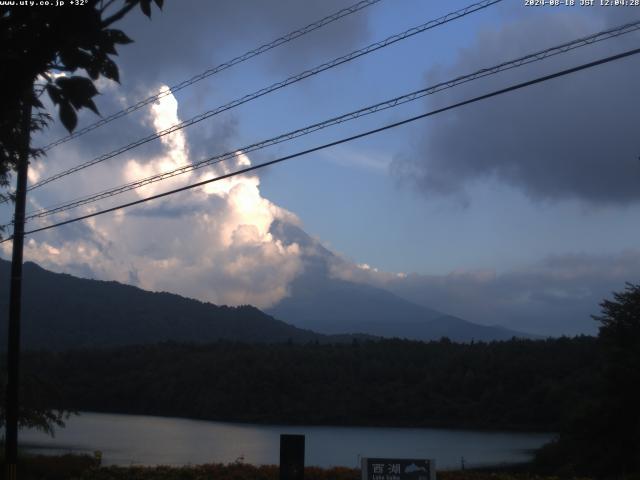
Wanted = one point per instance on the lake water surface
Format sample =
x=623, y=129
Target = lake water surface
x=144, y=440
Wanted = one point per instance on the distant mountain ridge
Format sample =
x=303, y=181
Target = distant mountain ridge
x=60, y=311
x=333, y=306
x=318, y=301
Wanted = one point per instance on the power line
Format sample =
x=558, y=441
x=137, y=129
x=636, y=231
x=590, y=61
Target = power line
x=345, y=140
x=219, y=68
x=409, y=97
x=276, y=86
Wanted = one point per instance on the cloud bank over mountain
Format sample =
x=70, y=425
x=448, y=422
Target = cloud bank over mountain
x=227, y=244
x=555, y=296
x=213, y=243
x=555, y=143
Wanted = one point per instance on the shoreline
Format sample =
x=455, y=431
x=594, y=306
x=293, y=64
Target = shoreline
x=87, y=467
x=269, y=423
x=139, y=440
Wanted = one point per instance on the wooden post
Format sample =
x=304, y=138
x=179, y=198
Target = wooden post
x=291, y=457
x=15, y=298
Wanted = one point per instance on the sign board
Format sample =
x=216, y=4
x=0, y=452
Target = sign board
x=291, y=457
x=398, y=469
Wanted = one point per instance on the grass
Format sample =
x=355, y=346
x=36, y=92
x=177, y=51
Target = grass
x=48, y=467
x=85, y=467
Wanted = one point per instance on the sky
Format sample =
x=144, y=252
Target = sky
x=520, y=210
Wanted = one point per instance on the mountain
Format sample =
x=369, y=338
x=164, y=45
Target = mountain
x=323, y=303
x=60, y=311
x=333, y=306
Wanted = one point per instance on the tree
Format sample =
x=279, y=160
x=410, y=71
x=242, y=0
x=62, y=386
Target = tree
x=38, y=44
x=38, y=397
x=603, y=439
x=42, y=50
x=619, y=339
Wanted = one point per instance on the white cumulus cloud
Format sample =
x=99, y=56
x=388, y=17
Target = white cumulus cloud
x=212, y=243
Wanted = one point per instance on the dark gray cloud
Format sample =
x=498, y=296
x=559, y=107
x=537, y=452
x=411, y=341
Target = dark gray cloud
x=570, y=138
x=187, y=206
x=197, y=35
x=212, y=137
x=555, y=296
x=102, y=140
x=186, y=38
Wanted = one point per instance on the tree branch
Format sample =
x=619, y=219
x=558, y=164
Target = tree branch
x=104, y=8
x=118, y=15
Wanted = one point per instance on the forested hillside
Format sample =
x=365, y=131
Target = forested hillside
x=61, y=311
x=520, y=384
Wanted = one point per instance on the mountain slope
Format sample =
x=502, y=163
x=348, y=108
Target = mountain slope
x=323, y=303
x=330, y=305
x=60, y=311
x=333, y=306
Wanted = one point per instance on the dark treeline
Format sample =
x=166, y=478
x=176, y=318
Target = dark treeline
x=519, y=384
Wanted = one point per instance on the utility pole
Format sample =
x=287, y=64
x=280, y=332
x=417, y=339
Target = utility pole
x=15, y=295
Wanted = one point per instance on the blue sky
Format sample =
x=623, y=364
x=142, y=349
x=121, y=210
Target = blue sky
x=361, y=210
x=500, y=187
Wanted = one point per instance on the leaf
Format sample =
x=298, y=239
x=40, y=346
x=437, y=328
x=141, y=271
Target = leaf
x=93, y=71
x=54, y=93
x=74, y=58
x=106, y=44
x=68, y=116
x=117, y=36
x=145, y=6
x=109, y=48
x=93, y=67
x=91, y=106
x=110, y=70
x=78, y=91
x=76, y=87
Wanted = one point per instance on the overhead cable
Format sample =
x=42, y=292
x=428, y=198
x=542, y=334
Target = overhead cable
x=276, y=86
x=495, y=93
x=394, y=102
x=217, y=69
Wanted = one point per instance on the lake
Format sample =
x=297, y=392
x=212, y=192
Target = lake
x=145, y=440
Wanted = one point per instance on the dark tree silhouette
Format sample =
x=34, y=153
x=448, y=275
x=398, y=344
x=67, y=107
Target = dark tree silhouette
x=517, y=384
x=603, y=438
x=619, y=339
x=40, y=41
x=42, y=48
